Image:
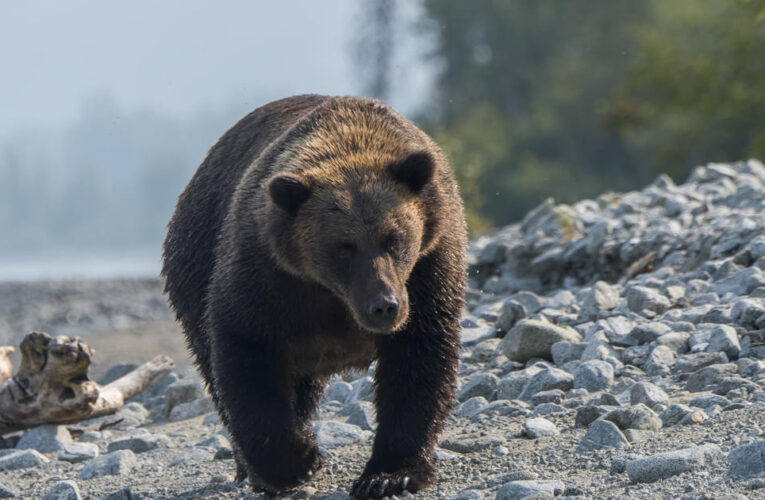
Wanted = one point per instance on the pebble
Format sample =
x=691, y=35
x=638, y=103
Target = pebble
x=672, y=463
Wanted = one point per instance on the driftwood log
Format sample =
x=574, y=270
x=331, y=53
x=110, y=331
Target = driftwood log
x=52, y=384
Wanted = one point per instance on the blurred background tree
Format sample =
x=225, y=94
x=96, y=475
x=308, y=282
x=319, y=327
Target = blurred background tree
x=569, y=99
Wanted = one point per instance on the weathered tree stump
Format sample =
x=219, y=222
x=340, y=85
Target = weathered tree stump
x=52, y=384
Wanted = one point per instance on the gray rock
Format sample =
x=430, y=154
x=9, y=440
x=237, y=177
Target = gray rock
x=510, y=313
x=510, y=387
x=619, y=464
x=117, y=463
x=45, y=438
x=638, y=435
x=671, y=463
x=674, y=414
x=331, y=434
x=602, y=434
x=534, y=339
x=140, y=443
x=660, y=355
x=585, y=415
x=363, y=390
x=471, y=407
x=594, y=375
x=63, y=490
x=747, y=461
x=638, y=416
x=692, y=362
x=601, y=297
x=95, y=436
x=192, y=457
x=21, y=459
x=470, y=444
x=709, y=375
x=545, y=380
x=78, y=452
x=181, y=392
x=648, y=394
x=129, y=416
x=515, y=490
x=648, y=332
x=485, y=351
x=482, y=384
x=184, y=411
x=563, y=352
x=470, y=494
x=339, y=390
x=7, y=492
x=709, y=401
x=548, y=409
x=717, y=338
x=539, y=427
x=219, y=444
x=552, y=396
x=123, y=494
x=641, y=299
x=362, y=414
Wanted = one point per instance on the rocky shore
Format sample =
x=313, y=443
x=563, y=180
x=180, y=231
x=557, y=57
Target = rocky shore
x=613, y=348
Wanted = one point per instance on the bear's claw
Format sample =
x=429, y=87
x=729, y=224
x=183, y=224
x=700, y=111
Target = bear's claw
x=382, y=485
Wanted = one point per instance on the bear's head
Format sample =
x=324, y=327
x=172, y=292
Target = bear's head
x=357, y=230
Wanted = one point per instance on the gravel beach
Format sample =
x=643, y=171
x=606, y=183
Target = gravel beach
x=612, y=348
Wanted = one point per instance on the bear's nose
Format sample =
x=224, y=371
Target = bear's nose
x=383, y=308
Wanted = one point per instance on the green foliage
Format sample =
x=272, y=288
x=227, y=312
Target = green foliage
x=568, y=99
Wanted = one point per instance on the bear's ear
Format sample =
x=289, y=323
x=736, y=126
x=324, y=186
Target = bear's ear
x=414, y=171
x=288, y=191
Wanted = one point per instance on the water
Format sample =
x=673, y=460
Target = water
x=61, y=265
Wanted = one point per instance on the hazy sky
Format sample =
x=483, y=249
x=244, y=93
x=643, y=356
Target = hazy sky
x=176, y=56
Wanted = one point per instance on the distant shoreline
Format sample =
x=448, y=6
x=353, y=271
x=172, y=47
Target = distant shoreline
x=102, y=266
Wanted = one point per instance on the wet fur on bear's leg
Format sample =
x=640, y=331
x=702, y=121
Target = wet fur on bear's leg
x=275, y=446
x=416, y=380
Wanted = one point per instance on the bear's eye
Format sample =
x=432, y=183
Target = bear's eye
x=345, y=250
x=393, y=243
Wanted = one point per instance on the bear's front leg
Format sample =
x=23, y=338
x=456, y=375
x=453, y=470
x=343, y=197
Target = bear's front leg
x=416, y=378
x=274, y=442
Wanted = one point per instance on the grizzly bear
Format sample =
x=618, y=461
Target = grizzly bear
x=321, y=234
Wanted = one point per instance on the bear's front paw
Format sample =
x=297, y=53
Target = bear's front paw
x=385, y=484
x=286, y=470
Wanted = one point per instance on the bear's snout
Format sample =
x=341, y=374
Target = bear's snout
x=383, y=309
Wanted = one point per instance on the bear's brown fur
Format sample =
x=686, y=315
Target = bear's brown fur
x=321, y=234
